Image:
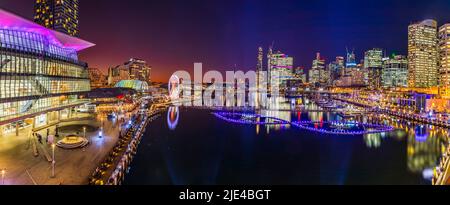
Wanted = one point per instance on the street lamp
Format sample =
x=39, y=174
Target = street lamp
x=100, y=133
x=3, y=176
x=84, y=131
x=53, y=160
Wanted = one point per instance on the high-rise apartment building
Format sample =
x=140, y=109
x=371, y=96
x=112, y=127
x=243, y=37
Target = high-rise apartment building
x=422, y=54
x=134, y=69
x=139, y=70
x=59, y=15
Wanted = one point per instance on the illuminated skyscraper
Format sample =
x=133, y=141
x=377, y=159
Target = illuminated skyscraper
x=280, y=68
x=318, y=73
x=269, y=62
x=395, y=72
x=299, y=73
x=373, y=64
x=444, y=59
x=259, y=68
x=259, y=65
x=59, y=15
x=351, y=60
x=336, y=68
x=373, y=58
x=422, y=54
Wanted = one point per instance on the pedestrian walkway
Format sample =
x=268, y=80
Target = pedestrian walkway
x=72, y=166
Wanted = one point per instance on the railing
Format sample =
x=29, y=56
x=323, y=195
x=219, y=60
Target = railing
x=113, y=169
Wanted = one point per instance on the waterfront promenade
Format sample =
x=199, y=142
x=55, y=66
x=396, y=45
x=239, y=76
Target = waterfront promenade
x=73, y=167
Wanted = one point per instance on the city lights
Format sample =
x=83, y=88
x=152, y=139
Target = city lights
x=231, y=93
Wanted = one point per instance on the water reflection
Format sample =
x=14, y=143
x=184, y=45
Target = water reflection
x=424, y=148
x=259, y=152
x=424, y=142
x=172, y=117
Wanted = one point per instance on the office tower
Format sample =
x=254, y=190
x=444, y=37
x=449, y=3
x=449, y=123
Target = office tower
x=444, y=59
x=269, y=63
x=373, y=65
x=316, y=74
x=259, y=68
x=351, y=60
x=373, y=58
x=280, y=68
x=42, y=80
x=395, y=72
x=336, y=68
x=59, y=15
x=422, y=54
x=259, y=65
x=299, y=73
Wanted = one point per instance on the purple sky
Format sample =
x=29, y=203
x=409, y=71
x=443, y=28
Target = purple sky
x=173, y=34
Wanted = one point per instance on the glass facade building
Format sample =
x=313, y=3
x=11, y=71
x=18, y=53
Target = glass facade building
x=444, y=59
x=422, y=54
x=39, y=70
x=280, y=69
x=395, y=72
x=373, y=63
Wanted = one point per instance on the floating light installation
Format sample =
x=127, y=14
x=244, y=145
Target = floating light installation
x=255, y=119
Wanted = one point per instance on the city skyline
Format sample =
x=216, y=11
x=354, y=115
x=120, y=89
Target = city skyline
x=222, y=35
x=260, y=92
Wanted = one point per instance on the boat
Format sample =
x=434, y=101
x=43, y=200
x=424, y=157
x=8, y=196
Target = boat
x=322, y=101
x=329, y=105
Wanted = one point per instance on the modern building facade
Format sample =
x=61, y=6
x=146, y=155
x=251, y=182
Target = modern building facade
x=259, y=68
x=281, y=69
x=259, y=60
x=134, y=69
x=373, y=58
x=317, y=73
x=59, y=15
x=41, y=78
x=444, y=59
x=351, y=60
x=395, y=72
x=422, y=54
x=373, y=65
x=337, y=68
x=299, y=72
x=139, y=70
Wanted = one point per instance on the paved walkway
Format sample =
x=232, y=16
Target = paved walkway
x=73, y=167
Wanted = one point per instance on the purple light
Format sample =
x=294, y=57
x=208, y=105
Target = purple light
x=375, y=128
x=11, y=21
